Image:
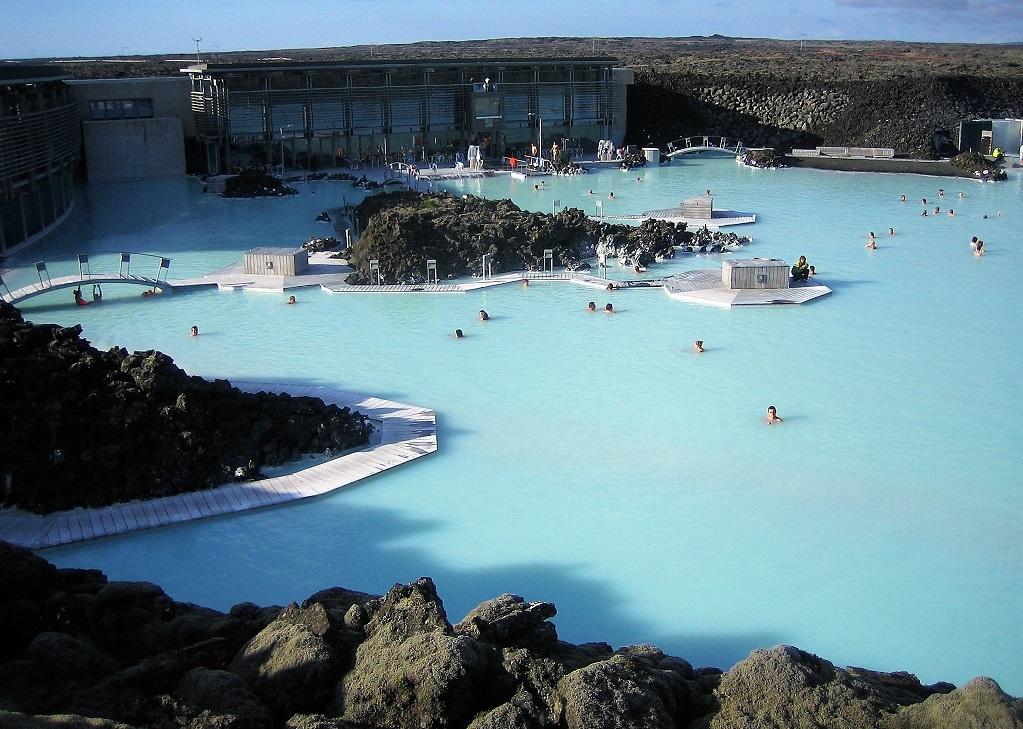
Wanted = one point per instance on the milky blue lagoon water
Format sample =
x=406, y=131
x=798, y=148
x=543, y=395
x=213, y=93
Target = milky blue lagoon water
x=596, y=462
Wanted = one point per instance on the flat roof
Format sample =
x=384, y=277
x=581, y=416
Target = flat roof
x=18, y=73
x=389, y=63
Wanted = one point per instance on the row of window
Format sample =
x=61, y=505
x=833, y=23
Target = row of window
x=121, y=109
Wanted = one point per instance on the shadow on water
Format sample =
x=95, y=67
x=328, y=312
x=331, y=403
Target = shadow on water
x=281, y=550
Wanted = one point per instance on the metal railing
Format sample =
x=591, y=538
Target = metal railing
x=705, y=142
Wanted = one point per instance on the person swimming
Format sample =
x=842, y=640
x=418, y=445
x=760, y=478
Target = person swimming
x=891, y=231
x=980, y=248
x=923, y=200
x=923, y=214
x=590, y=192
x=292, y=300
x=609, y=308
x=698, y=345
x=484, y=316
x=592, y=306
x=772, y=416
x=610, y=196
x=902, y=198
x=195, y=331
x=458, y=334
x=941, y=192
x=961, y=194
x=937, y=210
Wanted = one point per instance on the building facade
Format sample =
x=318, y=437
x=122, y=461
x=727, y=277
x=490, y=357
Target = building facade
x=39, y=143
x=134, y=128
x=326, y=113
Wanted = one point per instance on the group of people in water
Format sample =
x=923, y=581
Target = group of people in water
x=975, y=244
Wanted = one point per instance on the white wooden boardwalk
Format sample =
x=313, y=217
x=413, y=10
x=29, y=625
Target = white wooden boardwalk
x=407, y=433
x=704, y=287
x=721, y=218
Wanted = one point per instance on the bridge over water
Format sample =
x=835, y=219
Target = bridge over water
x=157, y=268
x=704, y=143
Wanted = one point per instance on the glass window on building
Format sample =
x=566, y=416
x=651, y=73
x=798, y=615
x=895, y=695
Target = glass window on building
x=368, y=78
x=408, y=77
x=518, y=76
x=246, y=82
x=557, y=74
x=334, y=80
x=285, y=81
x=120, y=109
x=445, y=77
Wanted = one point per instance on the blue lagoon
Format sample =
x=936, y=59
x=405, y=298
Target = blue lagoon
x=597, y=462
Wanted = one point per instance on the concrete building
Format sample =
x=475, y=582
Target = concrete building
x=322, y=113
x=134, y=128
x=984, y=135
x=39, y=143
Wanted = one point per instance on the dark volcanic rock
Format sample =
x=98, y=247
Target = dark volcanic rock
x=256, y=183
x=786, y=687
x=91, y=653
x=509, y=621
x=981, y=703
x=623, y=692
x=403, y=229
x=223, y=692
x=90, y=428
x=412, y=671
x=289, y=664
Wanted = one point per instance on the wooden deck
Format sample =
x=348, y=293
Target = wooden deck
x=704, y=287
x=406, y=433
x=721, y=219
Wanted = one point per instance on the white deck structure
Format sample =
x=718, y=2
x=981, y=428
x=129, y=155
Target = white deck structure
x=705, y=287
x=406, y=433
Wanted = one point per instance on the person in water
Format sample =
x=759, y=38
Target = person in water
x=611, y=196
x=609, y=309
x=458, y=334
x=973, y=242
x=590, y=192
x=97, y=294
x=592, y=306
x=813, y=271
x=800, y=269
x=980, y=248
x=772, y=416
x=923, y=214
x=937, y=210
x=610, y=287
x=951, y=213
x=941, y=192
x=698, y=345
x=525, y=282
x=902, y=198
x=79, y=299
x=871, y=244
x=891, y=231
x=484, y=316
x=195, y=331
x=872, y=236
x=292, y=300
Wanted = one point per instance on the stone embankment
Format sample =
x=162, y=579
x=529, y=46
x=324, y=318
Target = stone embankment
x=82, y=651
x=762, y=110
x=89, y=428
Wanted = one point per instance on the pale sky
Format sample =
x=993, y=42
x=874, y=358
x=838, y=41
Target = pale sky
x=34, y=28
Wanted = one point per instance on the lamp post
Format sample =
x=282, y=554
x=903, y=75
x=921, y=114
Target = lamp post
x=288, y=126
x=540, y=146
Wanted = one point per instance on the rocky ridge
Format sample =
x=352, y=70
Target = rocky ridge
x=403, y=229
x=83, y=427
x=82, y=651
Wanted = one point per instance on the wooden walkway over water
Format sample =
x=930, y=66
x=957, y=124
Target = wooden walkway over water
x=406, y=432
